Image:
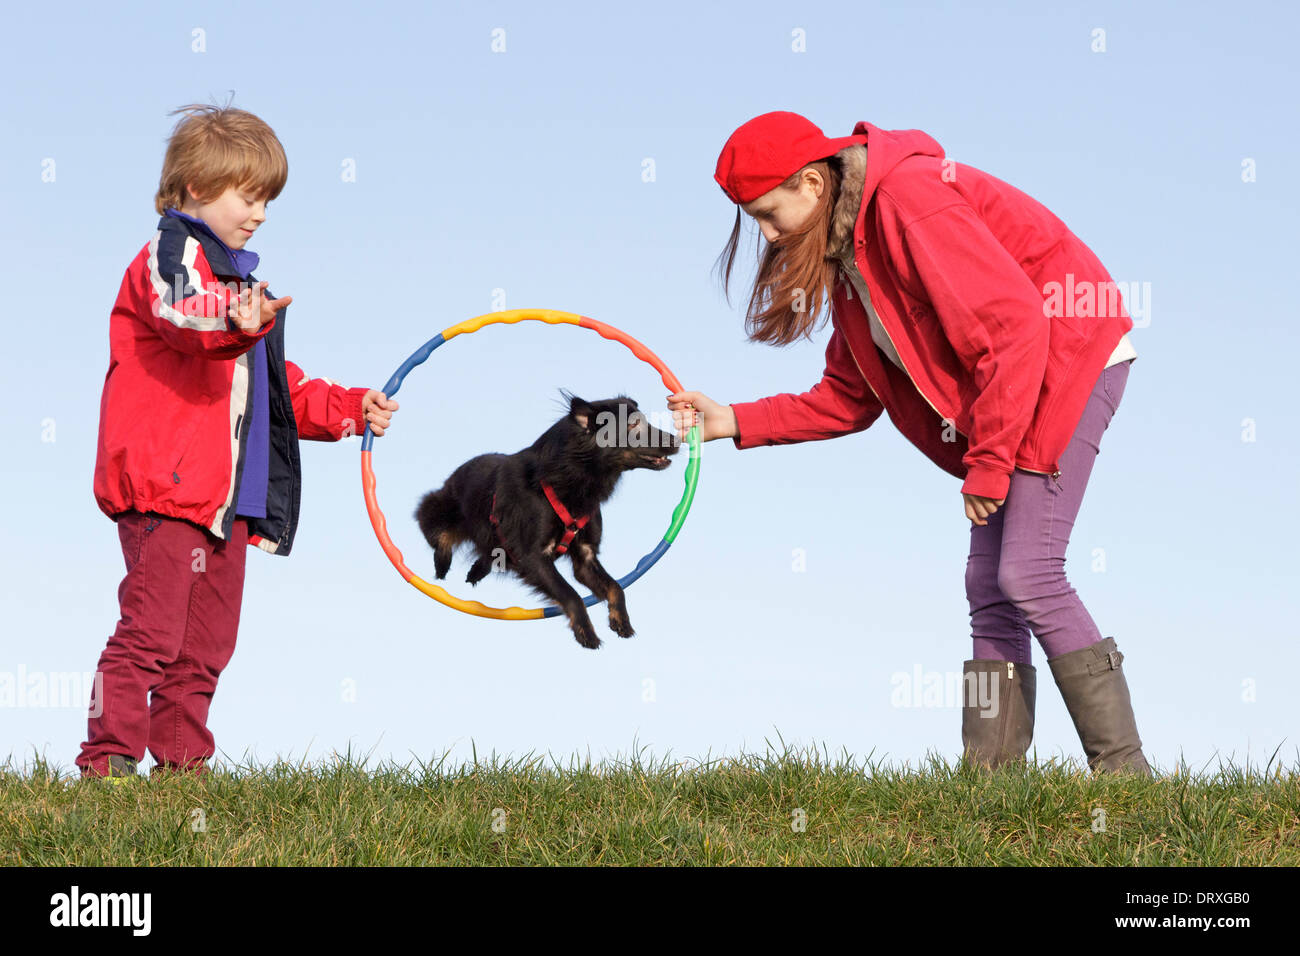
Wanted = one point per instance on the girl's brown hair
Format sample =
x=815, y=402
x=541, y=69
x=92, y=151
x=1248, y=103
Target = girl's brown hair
x=215, y=147
x=795, y=277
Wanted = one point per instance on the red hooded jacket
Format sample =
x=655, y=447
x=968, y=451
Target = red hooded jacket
x=1002, y=317
x=176, y=396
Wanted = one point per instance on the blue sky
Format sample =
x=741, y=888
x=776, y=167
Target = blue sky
x=521, y=171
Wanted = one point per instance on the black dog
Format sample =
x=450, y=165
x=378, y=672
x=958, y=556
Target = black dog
x=522, y=511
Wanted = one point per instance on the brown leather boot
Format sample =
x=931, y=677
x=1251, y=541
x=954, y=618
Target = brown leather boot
x=999, y=728
x=1096, y=695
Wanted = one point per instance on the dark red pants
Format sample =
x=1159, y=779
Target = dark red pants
x=180, y=604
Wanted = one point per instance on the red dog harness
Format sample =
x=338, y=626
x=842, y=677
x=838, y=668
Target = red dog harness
x=571, y=525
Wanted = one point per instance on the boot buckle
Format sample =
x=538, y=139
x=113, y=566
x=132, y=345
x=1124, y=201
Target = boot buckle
x=1109, y=662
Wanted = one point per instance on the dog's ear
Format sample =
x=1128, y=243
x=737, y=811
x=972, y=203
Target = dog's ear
x=579, y=411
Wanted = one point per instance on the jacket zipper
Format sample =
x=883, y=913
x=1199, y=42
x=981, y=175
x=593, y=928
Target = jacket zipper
x=1005, y=723
x=1054, y=475
x=866, y=307
x=849, y=346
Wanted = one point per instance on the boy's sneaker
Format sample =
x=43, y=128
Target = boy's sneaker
x=198, y=769
x=120, y=769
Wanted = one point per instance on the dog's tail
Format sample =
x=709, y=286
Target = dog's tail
x=437, y=514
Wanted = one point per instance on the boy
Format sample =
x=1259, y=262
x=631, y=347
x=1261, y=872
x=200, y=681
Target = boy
x=198, y=441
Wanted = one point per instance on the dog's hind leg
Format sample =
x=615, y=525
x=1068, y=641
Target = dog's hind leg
x=439, y=517
x=479, y=570
x=545, y=577
x=590, y=572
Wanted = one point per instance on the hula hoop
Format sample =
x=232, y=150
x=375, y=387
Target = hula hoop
x=510, y=317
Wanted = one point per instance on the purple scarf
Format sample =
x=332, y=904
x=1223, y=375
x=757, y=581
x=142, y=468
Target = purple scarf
x=252, y=489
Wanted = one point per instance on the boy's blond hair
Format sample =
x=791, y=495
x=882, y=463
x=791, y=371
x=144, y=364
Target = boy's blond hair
x=215, y=147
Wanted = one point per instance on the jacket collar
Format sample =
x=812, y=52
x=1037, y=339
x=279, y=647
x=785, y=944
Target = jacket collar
x=222, y=259
x=853, y=168
x=886, y=149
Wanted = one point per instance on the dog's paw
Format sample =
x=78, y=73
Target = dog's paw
x=585, y=635
x=478, y=571
x=619, y=623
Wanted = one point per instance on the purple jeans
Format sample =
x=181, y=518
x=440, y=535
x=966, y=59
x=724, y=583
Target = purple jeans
x=1015, y=575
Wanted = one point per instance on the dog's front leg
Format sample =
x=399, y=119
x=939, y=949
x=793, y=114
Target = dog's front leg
x=588, y=569
x=543, y=575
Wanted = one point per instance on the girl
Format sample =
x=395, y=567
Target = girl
x=997, y=343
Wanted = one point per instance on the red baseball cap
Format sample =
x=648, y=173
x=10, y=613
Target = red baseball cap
x=769, y=149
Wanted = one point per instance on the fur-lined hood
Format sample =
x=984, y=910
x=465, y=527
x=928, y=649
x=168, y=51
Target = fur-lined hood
x=853, y=168
x=886, y=148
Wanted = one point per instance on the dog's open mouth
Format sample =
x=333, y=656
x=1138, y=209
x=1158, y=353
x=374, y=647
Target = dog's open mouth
x=659, y=462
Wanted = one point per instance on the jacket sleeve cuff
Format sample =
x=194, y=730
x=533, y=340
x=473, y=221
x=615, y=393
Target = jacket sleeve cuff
x=986, y=482
x=352, y=411
x=752, y=424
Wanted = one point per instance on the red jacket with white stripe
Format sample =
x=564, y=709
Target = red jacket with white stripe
x=1002, y=317
x=177, y=395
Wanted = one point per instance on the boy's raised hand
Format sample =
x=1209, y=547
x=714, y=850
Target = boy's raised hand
x=254, y=310
x=377, y=409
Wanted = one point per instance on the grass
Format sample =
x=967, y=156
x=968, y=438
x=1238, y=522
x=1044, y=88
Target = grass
x=788, y=808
